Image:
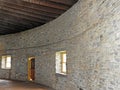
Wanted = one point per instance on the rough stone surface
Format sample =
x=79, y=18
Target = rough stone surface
x=89, y=32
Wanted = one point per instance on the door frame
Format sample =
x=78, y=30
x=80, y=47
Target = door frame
x=29, y=68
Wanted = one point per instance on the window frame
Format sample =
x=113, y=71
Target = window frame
x=63, y=62
x=60, y=62
x=4, y=57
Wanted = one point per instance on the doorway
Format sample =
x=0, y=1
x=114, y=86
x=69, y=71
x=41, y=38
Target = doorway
x=31, y=68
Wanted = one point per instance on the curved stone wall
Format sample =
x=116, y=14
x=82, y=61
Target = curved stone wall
x=89, y=32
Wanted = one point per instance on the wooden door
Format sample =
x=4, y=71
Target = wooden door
x=31, y=69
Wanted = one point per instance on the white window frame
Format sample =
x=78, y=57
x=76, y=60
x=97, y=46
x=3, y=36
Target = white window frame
x=61, y=64
x=6, y=62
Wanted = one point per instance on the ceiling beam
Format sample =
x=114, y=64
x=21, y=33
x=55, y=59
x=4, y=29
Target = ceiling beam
x=2, y=27
x=11, y=24
x=22, y=16
x=4, y=31
x=34, y=6
x=18, y=21
x=26, y=14
x=14, y=22
x=12, y=27
x=30, y=11
x=7, y=29
x=48, y=4
x=66, y=2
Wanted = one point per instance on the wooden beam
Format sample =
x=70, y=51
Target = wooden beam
x=22, y=16
x=12, y=22
x=19, y=15
x=5, y=27
x=18, y=21
x=17, y=27
x=66, y=2
x=11, y=25
x=47, y=3
x=35, y=6
x=26, y=14
x=30, y=11
x=4, y=31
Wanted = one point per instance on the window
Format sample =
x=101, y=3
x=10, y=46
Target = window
x=6, y=62
x=61, y=62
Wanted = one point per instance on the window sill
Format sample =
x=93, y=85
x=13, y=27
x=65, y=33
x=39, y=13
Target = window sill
x=5, y=69
x=61, y=74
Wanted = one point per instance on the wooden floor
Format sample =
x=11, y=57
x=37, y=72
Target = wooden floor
x=17, y=85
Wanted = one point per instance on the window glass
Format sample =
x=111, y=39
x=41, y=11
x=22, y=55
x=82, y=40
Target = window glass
x=61, y=62
x=6, y=62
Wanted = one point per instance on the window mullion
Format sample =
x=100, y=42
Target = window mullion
x=5, y=62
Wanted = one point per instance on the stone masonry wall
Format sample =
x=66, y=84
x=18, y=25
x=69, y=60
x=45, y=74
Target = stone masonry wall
x=89, y=32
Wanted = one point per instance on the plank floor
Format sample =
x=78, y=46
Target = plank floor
x=18, y=85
